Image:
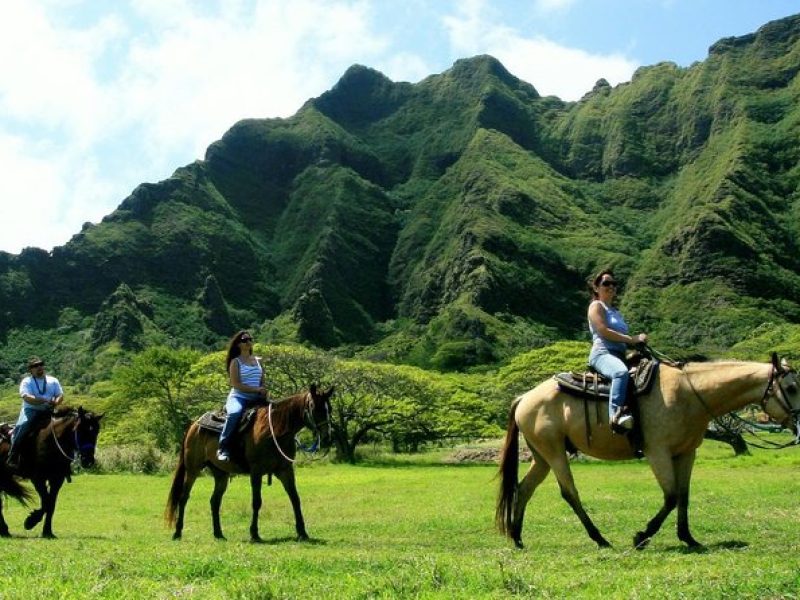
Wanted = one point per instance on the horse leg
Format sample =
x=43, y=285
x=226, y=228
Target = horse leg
x=50, y=509
x=220, y=486
x=560, y=465
x=4, y=532
x=664, y=470
x=287, y=479
x=188, y=483
x=535, y=475
x=255, y=487
x=36, y=515
x=683, y=474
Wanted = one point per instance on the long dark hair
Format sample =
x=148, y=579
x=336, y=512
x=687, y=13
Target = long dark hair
x=233, y=347
x=595, y=281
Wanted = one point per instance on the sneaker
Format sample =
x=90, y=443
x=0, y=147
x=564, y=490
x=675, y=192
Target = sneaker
x=624, y=422
x=223, y=456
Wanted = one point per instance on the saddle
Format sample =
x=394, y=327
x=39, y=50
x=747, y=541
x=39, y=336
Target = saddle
x=593, y=386
x=214, y=420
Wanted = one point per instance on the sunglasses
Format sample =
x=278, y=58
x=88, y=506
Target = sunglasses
x=35, y=365
x=608, y=283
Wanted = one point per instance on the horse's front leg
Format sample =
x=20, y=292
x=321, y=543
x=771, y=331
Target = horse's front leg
x=220, y=485
x=683, y=475
x=36, y=515
x=255, y=487
x=287, y=479
x=50, y=509
x=664, y=470
x=4, y=532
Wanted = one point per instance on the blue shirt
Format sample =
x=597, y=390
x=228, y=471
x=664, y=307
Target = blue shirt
x=614, y=320
x=42, y=387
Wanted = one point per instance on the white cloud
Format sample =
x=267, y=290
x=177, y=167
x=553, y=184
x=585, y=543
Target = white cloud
x=553, y=69
x=548, y=6
x=77, y=134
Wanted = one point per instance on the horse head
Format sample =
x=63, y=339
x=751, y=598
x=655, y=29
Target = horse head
x=86, y=431
x=781, y=400
x=318, y=414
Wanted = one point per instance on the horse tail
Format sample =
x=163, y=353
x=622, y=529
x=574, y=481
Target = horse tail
x=11, y=486
x=509, y=467
x=176, y=491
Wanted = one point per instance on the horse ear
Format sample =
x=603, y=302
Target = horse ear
x=313, y=389
x=775, y=360
x=81, y=412
x=785, y=365
x=330, y=391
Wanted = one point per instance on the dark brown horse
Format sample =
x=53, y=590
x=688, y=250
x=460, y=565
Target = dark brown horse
x=46, y=458
x=267, y=448
x=674, y=416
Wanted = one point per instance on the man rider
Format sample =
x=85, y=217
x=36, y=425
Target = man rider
x=40, y=394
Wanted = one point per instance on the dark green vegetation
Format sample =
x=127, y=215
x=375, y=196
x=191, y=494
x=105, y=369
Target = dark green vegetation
x=400, y=527
x=450, y=223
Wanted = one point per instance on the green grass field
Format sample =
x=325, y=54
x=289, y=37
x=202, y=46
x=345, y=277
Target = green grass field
x=416, y=528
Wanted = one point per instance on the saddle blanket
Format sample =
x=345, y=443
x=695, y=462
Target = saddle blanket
x=594, y=386
x=214, y=420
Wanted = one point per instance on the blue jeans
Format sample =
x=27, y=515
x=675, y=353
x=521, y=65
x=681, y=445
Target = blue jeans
x=234, y=406
x=27, y=418
x=616, y=370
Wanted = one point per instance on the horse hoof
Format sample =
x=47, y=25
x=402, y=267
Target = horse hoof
x=302, y=538
x=176, y=536
x=5, y=533
x=49, y=536
x=256, y=540
x=603, y=544
x=640, y=541
x=519, y=544
x=220, y=537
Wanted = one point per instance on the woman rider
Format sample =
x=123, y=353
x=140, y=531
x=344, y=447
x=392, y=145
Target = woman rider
x=247, y=387
x=609, y=341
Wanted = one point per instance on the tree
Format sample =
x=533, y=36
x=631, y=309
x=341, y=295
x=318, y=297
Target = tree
x=159, y=376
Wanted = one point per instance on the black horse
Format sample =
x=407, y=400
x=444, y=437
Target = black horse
x=46, y=459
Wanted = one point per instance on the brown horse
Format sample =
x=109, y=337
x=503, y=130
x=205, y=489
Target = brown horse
x=46, y=458
x=673, y=416
x=268, y=449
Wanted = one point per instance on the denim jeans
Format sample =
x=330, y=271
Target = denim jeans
x=616, y=370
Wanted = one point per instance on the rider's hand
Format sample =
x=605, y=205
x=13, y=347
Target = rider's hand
x=641, y=338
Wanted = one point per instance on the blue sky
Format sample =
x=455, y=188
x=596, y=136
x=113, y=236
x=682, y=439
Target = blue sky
x=97, y=96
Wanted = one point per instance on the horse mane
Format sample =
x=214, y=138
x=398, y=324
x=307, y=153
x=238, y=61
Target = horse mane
x=284, y=411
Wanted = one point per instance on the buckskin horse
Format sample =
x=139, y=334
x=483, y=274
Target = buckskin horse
x=673, y=416
x=46, y=458
x=267, y=447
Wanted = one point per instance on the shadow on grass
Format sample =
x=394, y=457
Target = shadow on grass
x=705, y=549
x=290, y=539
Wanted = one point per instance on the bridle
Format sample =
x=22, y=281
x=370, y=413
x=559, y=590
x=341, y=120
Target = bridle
x=80, y=447
x=776, y=390
x=308, y=421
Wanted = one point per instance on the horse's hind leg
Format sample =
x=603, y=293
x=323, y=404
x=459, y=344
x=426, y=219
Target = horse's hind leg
x=255, y=487
x=220, y=485
x=535, y=475
x=188, y=482
x=560, y=465
x=287, y=479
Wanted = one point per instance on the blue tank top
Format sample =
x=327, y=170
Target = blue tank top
x=614, y=321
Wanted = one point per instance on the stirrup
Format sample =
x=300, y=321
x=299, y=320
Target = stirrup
x=223, y=456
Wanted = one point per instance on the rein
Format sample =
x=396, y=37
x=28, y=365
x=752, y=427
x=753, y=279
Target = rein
x=774, y=378
x=308, y=414
x=78, y=446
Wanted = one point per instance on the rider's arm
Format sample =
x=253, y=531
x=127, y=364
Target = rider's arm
x=598, y=318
